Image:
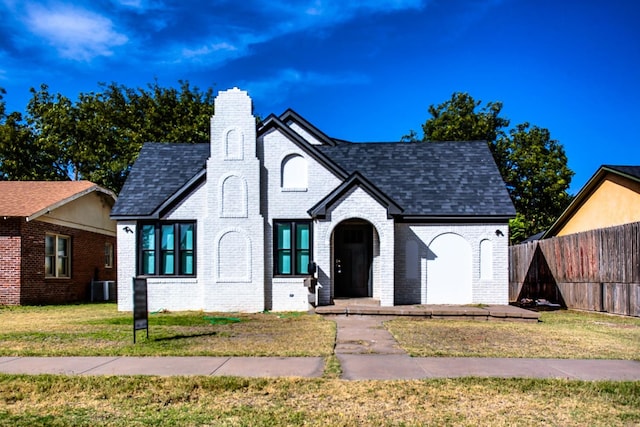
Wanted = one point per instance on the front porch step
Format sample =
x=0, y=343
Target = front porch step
x=343, y=302
x=459, y=312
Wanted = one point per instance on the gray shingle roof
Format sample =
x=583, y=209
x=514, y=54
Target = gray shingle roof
x=430, y=179
x=443, y=179
x=633, y=171
x=160, y=171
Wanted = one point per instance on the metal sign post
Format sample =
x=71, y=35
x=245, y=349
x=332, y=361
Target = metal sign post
x=140, y=310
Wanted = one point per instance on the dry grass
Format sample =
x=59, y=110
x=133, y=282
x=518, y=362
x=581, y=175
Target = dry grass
x=100, y=330
x=220, y=401
x=560, y=334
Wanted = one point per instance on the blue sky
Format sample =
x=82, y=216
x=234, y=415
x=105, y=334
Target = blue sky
x=360, y=70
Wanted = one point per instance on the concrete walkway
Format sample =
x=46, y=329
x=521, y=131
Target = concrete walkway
x=365, y=349
x=354, y=366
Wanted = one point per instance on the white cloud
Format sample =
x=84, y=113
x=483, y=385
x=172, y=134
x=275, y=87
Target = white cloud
x=320, y=13
x=278, y=87
x=208, y=50
x=286, y=19
x=77, y=34
x=140, y=5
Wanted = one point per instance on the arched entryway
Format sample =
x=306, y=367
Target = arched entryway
x=353, y=259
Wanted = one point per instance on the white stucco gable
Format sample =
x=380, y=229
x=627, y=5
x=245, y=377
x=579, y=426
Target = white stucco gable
x=357, y=206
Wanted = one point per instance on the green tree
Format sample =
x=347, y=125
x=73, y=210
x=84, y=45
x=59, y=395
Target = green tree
x=459, y=120
x=99, y=136
x=533, y=166
x=20, y=157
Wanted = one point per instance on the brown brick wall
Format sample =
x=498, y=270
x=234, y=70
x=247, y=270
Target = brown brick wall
x=87, y=262
x=10, y=261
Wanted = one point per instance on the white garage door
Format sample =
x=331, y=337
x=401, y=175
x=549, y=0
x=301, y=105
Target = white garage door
x=449, y=270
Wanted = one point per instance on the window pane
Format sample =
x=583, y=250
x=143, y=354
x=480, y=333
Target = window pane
x=148, y=237
x=50, y=256
x=302, y=236
x=167, y=262
x=186, y=262
x=167, y=237
x=148, y=262
x=302, y=262
x=284, y=262
x=49, y=265
x=49, y=246
x=284, y=236
x=63, y=257
x=62, y=246
x=186, y=236
x=108, y=255
x=63, y=267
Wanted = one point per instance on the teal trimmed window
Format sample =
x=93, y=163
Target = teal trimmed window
x=167, y=249
x=292, y=247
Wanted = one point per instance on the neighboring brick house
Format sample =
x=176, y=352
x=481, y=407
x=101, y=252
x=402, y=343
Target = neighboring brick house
x=240, y=223
x=611, y=197
x=55, y=238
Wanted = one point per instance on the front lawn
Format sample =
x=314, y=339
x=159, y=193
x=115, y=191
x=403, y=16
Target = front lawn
x=560, y=334
x=224, y=401
x=100, y=330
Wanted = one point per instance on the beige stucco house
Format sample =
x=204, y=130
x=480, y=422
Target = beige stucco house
x=611, y=197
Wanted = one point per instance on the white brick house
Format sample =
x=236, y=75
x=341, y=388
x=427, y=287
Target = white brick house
x=242, y=222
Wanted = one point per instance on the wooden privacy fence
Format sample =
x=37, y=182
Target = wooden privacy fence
x=597, y=270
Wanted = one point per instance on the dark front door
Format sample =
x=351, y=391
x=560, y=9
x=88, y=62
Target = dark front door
x=352, y=260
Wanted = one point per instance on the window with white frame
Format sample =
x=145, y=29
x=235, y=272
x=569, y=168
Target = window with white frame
x=108, y=255
x=57, y=251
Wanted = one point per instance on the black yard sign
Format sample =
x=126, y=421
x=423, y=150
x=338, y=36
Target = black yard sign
x=140, y=309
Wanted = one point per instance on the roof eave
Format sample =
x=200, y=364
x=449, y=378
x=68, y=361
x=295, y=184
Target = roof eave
x=273, y=122
x=134, y=217
x=356, y=179
x=178, y=195
x=456, y=218
x=307, y=126
x=160, y=210
x=579, y=199
x=75, y=196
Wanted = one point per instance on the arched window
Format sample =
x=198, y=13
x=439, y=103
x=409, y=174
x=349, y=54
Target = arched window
x=294, y=173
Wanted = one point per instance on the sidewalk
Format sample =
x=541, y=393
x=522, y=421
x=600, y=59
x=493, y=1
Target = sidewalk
x=365, y=349
x=354, y=366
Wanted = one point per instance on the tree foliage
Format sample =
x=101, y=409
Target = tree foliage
x=458, y=120
x=99, y=136
x=533, y=166
x=20, y=158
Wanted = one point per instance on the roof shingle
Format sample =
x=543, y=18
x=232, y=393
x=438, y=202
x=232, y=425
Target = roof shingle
x=430, y=179
x=160, y=171
x=26, y=198
x=442, y=179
